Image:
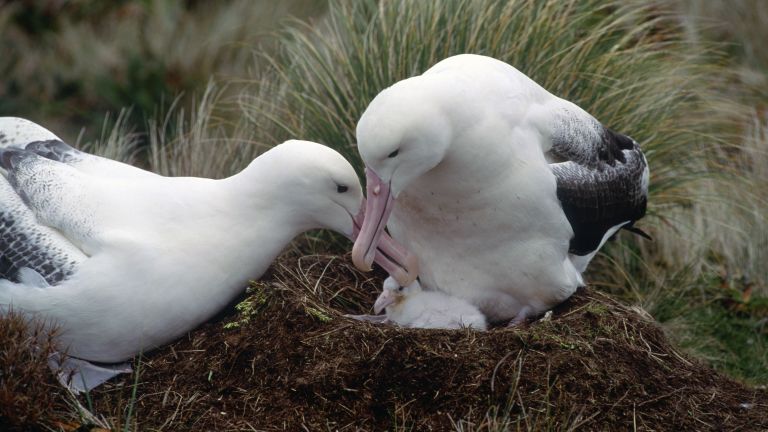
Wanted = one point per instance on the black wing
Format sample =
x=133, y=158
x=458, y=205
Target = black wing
x=602, y=182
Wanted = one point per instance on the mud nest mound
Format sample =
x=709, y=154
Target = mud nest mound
x=285, y=358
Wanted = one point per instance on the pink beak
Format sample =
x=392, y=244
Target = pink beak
x=372, y=242
x=397, y=261
x=386, y=298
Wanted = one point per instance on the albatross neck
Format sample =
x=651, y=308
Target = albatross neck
x=269, y=195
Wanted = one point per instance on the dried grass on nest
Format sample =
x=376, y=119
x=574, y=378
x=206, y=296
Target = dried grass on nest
x=28, y=391
x=292, y=361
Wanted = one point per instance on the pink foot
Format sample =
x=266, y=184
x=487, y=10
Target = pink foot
x=520, y=319
x=376, y=319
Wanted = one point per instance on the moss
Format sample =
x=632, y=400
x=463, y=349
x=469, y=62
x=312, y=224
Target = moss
x=318, y=314
x=250, y=306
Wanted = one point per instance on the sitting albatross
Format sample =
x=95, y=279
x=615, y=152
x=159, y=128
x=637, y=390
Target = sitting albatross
x=124, y=260
x=504, y=191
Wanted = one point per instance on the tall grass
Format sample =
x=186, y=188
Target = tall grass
x=65, y=63
x=192, y=139
x=741, y=23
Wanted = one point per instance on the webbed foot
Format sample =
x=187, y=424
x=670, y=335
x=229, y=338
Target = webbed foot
x=375, y=319
x=80, y=375
x=521, y=318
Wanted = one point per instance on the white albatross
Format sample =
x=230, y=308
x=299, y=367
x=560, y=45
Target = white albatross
x=123, y=260
x=412, y=307
x=504, y=191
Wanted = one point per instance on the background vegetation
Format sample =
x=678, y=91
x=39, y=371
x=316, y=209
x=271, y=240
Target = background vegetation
x=68, y=62
x=686, y=78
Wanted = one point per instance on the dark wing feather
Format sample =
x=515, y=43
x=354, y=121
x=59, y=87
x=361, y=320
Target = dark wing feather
x=56, y=150
x=601, y=183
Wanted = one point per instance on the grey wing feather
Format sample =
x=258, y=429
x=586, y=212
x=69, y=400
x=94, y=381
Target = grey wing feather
x=56, y=193
x=579, y=138
x=59, y=151
x=56, y=150
x=24, y=243
x=46, y=212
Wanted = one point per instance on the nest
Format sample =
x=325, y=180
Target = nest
x=285, y=358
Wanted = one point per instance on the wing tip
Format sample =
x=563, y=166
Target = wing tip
x=637, y=231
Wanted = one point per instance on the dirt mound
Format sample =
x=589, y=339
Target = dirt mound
x=285, y=358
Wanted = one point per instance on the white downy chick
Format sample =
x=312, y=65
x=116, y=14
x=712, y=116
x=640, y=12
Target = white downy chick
x=413, y=307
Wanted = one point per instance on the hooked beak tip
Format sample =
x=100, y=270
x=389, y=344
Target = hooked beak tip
x=361, y=260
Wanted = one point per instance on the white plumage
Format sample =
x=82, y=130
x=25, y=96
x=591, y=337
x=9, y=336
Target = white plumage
x=124, y=260
x=503, y=191
x=413, y=307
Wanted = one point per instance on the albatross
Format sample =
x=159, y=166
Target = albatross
x=502, y=190
x=123, y=260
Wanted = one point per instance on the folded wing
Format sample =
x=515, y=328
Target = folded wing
x=47, y=204
x=602, y=179
x=26, y=244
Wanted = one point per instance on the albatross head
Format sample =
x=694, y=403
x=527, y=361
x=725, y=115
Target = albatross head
x=322, y=188
x=393, y=293
x=401, y=135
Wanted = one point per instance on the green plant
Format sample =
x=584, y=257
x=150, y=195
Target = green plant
x=250, y=307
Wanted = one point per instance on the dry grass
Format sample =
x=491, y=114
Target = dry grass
x=28, y=391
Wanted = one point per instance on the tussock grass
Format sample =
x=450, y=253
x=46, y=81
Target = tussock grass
x=200, y=142
x=741, y=23
x=625, y=66
x=193, y=139
x=65, y=63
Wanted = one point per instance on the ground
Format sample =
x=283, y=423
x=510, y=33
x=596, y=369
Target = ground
x=285, y=358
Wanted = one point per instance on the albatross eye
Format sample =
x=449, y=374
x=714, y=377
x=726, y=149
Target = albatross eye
x=400, y=289
x=341, y=188
x=393, y=154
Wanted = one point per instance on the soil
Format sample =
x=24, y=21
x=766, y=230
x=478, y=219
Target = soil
x=287, y=359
